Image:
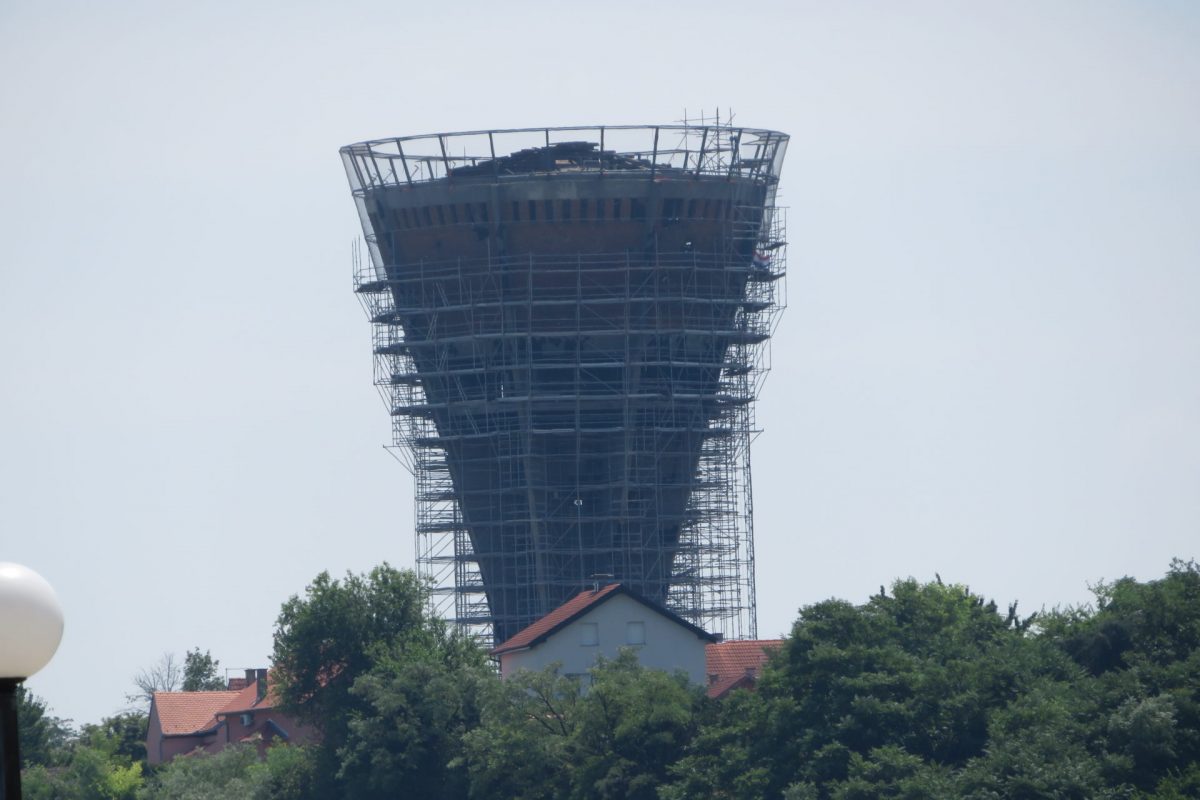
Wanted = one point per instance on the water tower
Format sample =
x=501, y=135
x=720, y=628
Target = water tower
x=569, y=330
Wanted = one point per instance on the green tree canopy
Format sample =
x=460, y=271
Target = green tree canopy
x=419, y=698
x=546, y=736
x=43, y=738
x=931, y=692
x=201, y=673
x=364, y=661
x=333, y=634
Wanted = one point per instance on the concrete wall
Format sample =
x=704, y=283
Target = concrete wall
x=669, y=646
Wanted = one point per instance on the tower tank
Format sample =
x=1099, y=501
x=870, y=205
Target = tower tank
x=568, y=329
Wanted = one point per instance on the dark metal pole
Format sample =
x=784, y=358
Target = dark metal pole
x=10, y=766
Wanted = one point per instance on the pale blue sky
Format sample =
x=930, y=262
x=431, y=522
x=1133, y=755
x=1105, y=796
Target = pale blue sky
x=989, y=367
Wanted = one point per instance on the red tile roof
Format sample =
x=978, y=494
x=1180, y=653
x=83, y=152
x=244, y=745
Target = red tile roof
x=731, y=665
x=181, y=713
x=247, y=699
x=243, y=700
x=556, y=619
x=576, y=607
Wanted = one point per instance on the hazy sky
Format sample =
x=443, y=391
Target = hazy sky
x=989, y=366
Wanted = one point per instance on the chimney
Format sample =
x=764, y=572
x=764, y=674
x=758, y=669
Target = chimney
x=261, y=678
x=601, y=579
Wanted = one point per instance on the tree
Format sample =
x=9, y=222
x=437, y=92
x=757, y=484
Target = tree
x=236, y=773
x=351, y=658
x=521, y=748
x=633, y=724
x=929, y=691
x=164, y=676
x=542, y=737
x=228, y=775
x=333, y=634
x=723, y=761
x=122, y=736
x=420, y=698
x=1141, y=642
x=89, y=775
x=200, y=673
x=43, y=737
x=859, y=696
x=290, y=774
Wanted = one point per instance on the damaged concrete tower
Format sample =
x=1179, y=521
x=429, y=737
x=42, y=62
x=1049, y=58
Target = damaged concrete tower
x=569, y=331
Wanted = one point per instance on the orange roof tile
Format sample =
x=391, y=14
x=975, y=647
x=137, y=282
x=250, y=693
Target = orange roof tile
x=243, y=700
x=247, y=699
x=181, y=713
x=737, y=663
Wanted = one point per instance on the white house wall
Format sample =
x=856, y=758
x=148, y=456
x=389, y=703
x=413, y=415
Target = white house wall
x=669, y=646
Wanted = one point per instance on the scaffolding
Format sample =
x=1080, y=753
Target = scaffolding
x=573, y=413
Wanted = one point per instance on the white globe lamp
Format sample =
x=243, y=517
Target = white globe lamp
x=31, y=626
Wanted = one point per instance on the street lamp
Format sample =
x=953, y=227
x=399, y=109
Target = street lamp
x=31, y=626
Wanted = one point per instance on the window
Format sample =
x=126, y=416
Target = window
x=583, y=208
x=635, y=633
x=533, y=211
x=583, y=679
x=589, y=634
x=566, y=209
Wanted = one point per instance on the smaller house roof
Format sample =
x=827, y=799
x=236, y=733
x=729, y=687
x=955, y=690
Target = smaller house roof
x=244, y=700
x=731, y=665
x=247, y=700
x=183, y=713
x=579, y=605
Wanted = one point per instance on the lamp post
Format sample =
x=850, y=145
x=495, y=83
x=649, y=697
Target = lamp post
x=31, y=626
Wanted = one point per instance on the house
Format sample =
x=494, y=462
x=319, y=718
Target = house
x=737, y=665
x=182, y=722
x=600, y=622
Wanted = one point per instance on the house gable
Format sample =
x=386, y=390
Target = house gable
x=600, y=623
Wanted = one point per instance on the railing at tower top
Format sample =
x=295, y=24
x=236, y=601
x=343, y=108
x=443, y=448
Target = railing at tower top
x=652, y=151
